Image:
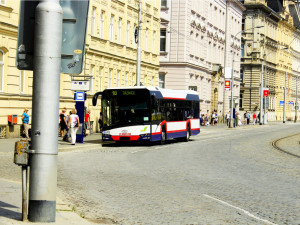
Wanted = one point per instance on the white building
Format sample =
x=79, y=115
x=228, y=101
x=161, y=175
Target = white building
x=192, y=48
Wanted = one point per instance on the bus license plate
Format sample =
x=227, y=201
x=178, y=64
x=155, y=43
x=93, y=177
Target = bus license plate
x=124, y=134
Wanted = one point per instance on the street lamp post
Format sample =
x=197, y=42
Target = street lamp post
x=232, y=77
x=296, y=103
x=284, y=105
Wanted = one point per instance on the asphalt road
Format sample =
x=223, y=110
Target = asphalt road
x=220, y=177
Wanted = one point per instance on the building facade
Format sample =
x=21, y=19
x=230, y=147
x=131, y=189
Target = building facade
x=198, y=40
x=271, y=58
x=110, y=56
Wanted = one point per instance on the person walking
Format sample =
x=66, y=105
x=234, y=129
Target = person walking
x=63, y=122
x=100, y=122
x=25, y=121
x=254, y=118
x=73, y=125
x=213, y=117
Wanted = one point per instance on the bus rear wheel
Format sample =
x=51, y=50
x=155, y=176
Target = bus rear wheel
x=188, y=134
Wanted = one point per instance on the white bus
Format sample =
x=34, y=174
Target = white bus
x=148, y=114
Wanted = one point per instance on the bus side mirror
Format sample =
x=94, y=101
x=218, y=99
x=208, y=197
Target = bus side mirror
x=154, y=101
x=95, y=97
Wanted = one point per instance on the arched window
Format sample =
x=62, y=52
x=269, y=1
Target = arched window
x=1, y=70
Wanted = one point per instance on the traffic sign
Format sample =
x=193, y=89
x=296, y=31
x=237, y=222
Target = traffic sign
x=75, y=16
x=281, y=103
x=227, y=84
x=266, y=92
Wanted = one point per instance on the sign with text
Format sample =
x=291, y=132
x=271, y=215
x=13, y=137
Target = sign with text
x=265, y=92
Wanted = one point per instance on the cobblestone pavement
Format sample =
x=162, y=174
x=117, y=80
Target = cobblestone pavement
x=233, y=176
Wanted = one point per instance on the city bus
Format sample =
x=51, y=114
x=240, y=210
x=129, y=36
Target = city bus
x=148, y=114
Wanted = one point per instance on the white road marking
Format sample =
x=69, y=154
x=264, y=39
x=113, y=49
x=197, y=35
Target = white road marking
x=244, y=211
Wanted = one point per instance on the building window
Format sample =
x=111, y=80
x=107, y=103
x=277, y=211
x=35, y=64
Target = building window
x=163, y=40
x=118, y=78
x=153, y=42
x=127, y=33
x=1, y=70
x=242, y=50
x=111, y=28
x=102, y=25
x=152, y=80
x=242, y=75
x=146, y=39
x=93, y=21
x=162, y=80
x=100, y=79
x=119, y=30
x=92, y=79
x=164, y=3
x=241, y=101
x=193, y=88
x=145, y=80
x=134, y=28
x=126, y=79
x=22, y=81
x=110, y=78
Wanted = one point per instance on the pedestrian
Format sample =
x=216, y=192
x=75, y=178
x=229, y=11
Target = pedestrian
x=25, y=121
x=68, y=125
x=63, y=122
x=87, y=121
x=254, y=118
x=248, y=118
x=213, y=117
x=228, y=118
x=258, y=117
x=74, y=124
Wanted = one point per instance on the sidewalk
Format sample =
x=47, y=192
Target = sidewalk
x=11, y=192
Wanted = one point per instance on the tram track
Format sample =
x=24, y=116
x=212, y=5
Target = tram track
x=276, y=142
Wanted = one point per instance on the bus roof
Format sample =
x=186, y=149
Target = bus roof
x=162, y=93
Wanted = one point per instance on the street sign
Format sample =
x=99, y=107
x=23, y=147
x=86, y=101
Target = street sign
x=79, y=96
x=291, y=103
x=75, y=16
x=281, y=103
x=227, y=84
x=80, y=85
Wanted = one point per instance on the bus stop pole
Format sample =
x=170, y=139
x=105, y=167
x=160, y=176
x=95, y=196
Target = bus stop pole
x=45, y=110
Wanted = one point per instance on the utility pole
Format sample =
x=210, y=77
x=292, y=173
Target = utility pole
x=46, y=82
x=231, y=89
x=261, y=93
x=284, y=106
x=138, y=66
x=225, y=58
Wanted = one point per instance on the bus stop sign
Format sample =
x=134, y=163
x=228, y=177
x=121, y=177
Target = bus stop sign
x=75, y=16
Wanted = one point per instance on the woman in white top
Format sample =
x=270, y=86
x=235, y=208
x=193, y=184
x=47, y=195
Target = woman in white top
x=73, y=125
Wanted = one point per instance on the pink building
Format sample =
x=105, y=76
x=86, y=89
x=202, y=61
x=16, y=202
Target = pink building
x=193, y=42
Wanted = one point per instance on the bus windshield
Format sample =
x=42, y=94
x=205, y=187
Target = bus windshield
x=125, y=107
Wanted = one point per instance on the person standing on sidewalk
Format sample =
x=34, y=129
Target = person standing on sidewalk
x=63, y=122
x=228, y=118
x=254, y=118
x=25, y=120
x=87, y=121
x=73, y=125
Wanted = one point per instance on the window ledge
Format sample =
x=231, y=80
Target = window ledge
x=163, y=53
x=6, y=9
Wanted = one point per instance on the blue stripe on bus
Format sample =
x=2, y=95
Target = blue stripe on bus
x=195, y=132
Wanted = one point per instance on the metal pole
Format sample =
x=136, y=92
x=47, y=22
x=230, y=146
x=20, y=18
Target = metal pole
x=261, y=93
x=138, y=66
x=231, y=89
x=225, y=58
x=24, y=193
x=265, y=98
x=45, y=103
x=296, y=104
x=284, y=106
